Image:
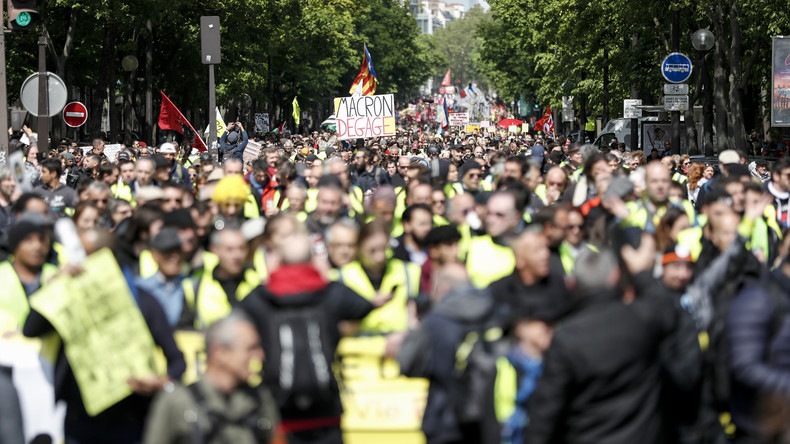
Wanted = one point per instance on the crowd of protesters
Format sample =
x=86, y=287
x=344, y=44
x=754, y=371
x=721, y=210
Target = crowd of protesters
x=619, y=296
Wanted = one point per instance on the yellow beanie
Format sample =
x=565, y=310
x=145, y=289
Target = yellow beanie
x=231, y=187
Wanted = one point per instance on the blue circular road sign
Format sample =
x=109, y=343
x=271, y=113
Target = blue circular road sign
x=676, y=68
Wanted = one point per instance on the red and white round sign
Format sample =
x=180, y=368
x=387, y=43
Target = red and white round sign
x=75, y=114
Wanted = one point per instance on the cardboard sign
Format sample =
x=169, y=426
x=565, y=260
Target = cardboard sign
x=105, y=336
x=252, y=152
x=472, y=128
x=365, y=116
x=459, y=119
x=485, y=124
x=110, y=151
x=261, y=122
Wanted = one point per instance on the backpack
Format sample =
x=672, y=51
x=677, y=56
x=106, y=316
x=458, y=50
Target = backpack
x=260, y=427
x=298, y=363
x=472, y=398
x=719, y=348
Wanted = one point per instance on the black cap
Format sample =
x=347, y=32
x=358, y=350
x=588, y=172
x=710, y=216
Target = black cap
x=160, y=161
x=167, y=239
x=123, y=155
x=469, y=165
x=179, y=218
x=311, y=157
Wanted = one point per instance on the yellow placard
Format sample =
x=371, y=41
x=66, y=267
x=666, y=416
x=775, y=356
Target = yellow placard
x=472, y=128
x=105, y=336
x=380, y=405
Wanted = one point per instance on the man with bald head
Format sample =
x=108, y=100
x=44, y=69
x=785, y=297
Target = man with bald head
x=532, y=277
x=646, y=212
x=553, y=186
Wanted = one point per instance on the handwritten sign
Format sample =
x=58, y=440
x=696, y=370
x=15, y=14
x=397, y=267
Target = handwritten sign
x=252, y=152
x=380, y=404
x=105, y=336
x=365, y=116
x=459, y=119
x=110, y=151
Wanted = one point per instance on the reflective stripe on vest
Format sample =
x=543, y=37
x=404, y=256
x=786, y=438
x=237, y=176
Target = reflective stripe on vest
x=212, y=302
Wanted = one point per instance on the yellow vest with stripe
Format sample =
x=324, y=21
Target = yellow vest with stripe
x=123, y=191
x=212, y=302
x=639, y=216
x=488, y=261
x=311, y=203
x=148, y=266
x=540, y=191
x=14, y=302
x=357, y=198
x=401, y=277
x=451, y=189
x=568, y=258
x=680, y=178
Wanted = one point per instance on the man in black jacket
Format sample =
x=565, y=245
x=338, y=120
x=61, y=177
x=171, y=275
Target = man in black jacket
x=296, y=290
x=602, y=374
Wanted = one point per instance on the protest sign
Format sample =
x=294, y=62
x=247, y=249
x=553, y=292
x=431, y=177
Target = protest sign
x=472, y=128
x=458, y=119
x=17, y=164
x=379, y=404
x=365, y=116
x=261, y=122
x=485, y=124
x=105, y=337
x=110, y=151
x=252, y=152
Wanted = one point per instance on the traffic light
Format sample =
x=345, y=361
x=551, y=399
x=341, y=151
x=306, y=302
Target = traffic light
x=22, y=15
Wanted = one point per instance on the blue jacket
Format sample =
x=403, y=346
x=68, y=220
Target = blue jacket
x=237, y=148
x=759, y=347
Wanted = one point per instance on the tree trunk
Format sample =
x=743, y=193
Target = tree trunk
x=149, y=130
x=723, y=141
x=605, y=94
x=104, y=80
x=735, y=93
x=582, y=114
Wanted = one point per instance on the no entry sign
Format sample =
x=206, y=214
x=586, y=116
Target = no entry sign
x=75, y=114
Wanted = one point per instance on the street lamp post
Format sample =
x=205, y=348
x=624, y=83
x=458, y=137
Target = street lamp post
x=703, y=40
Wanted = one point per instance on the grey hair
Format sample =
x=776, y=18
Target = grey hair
x=588, y=151
x=532, y=165
x=234, y=160
x=223, y=332
x=215, y=239
x=593, y=270
x=98, y=186
x=5, y=172
x=298, y=187
x=345, y=222
x=298, y=250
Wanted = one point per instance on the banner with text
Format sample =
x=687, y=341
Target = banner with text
x=459, y=119
x=364, y=117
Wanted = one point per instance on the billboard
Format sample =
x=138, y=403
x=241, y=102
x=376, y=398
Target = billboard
x=363, y=117
x=654, y=134
x=780, y=82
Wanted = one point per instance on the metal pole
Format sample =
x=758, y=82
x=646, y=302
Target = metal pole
x=212, y=114
x=43, y=94
x=3, y=98
x=675, y=128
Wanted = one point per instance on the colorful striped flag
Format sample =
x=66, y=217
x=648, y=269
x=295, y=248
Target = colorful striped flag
x=366, y=82
x=444, y=117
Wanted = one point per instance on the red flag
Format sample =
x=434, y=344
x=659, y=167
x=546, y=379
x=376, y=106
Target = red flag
x=199, y=144
x=462, y=93
x=446, y=81
x=546, y=123
x=170, y=118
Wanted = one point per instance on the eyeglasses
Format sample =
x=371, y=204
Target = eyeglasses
x=574, y=227
x=95, y=201
x=686, y=163
x=441, y=202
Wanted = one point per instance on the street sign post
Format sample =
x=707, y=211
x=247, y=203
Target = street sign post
x=75, y=114
x=211, y=54
x=675, y=89
x=676, y=68
x=630, y=110
x=676, y=103
x=56, y=94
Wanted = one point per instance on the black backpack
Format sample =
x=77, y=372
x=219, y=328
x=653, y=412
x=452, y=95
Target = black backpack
x=261, y=427
x=472, y=398
x=299, y=362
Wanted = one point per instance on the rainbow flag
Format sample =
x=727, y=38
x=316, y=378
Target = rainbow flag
x=366, y=82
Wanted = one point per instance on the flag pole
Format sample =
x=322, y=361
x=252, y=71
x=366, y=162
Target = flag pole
x=185, y=120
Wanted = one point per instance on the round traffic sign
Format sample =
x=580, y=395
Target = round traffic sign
x=676, y=68
x=56, y=94
x=75, y=114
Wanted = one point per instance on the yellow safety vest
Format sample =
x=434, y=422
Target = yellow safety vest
x=638, y=215
x=311, y=203
x=401, y=277
x=451, y=189
x=357, y=197
x=148, y=266
x=259, y=264
x=212, y=303
x=488, y=261
x=14, y=303
x=123, y=191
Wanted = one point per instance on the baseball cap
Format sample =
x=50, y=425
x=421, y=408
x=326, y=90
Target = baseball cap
x=167, y=148
x=677, y=253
